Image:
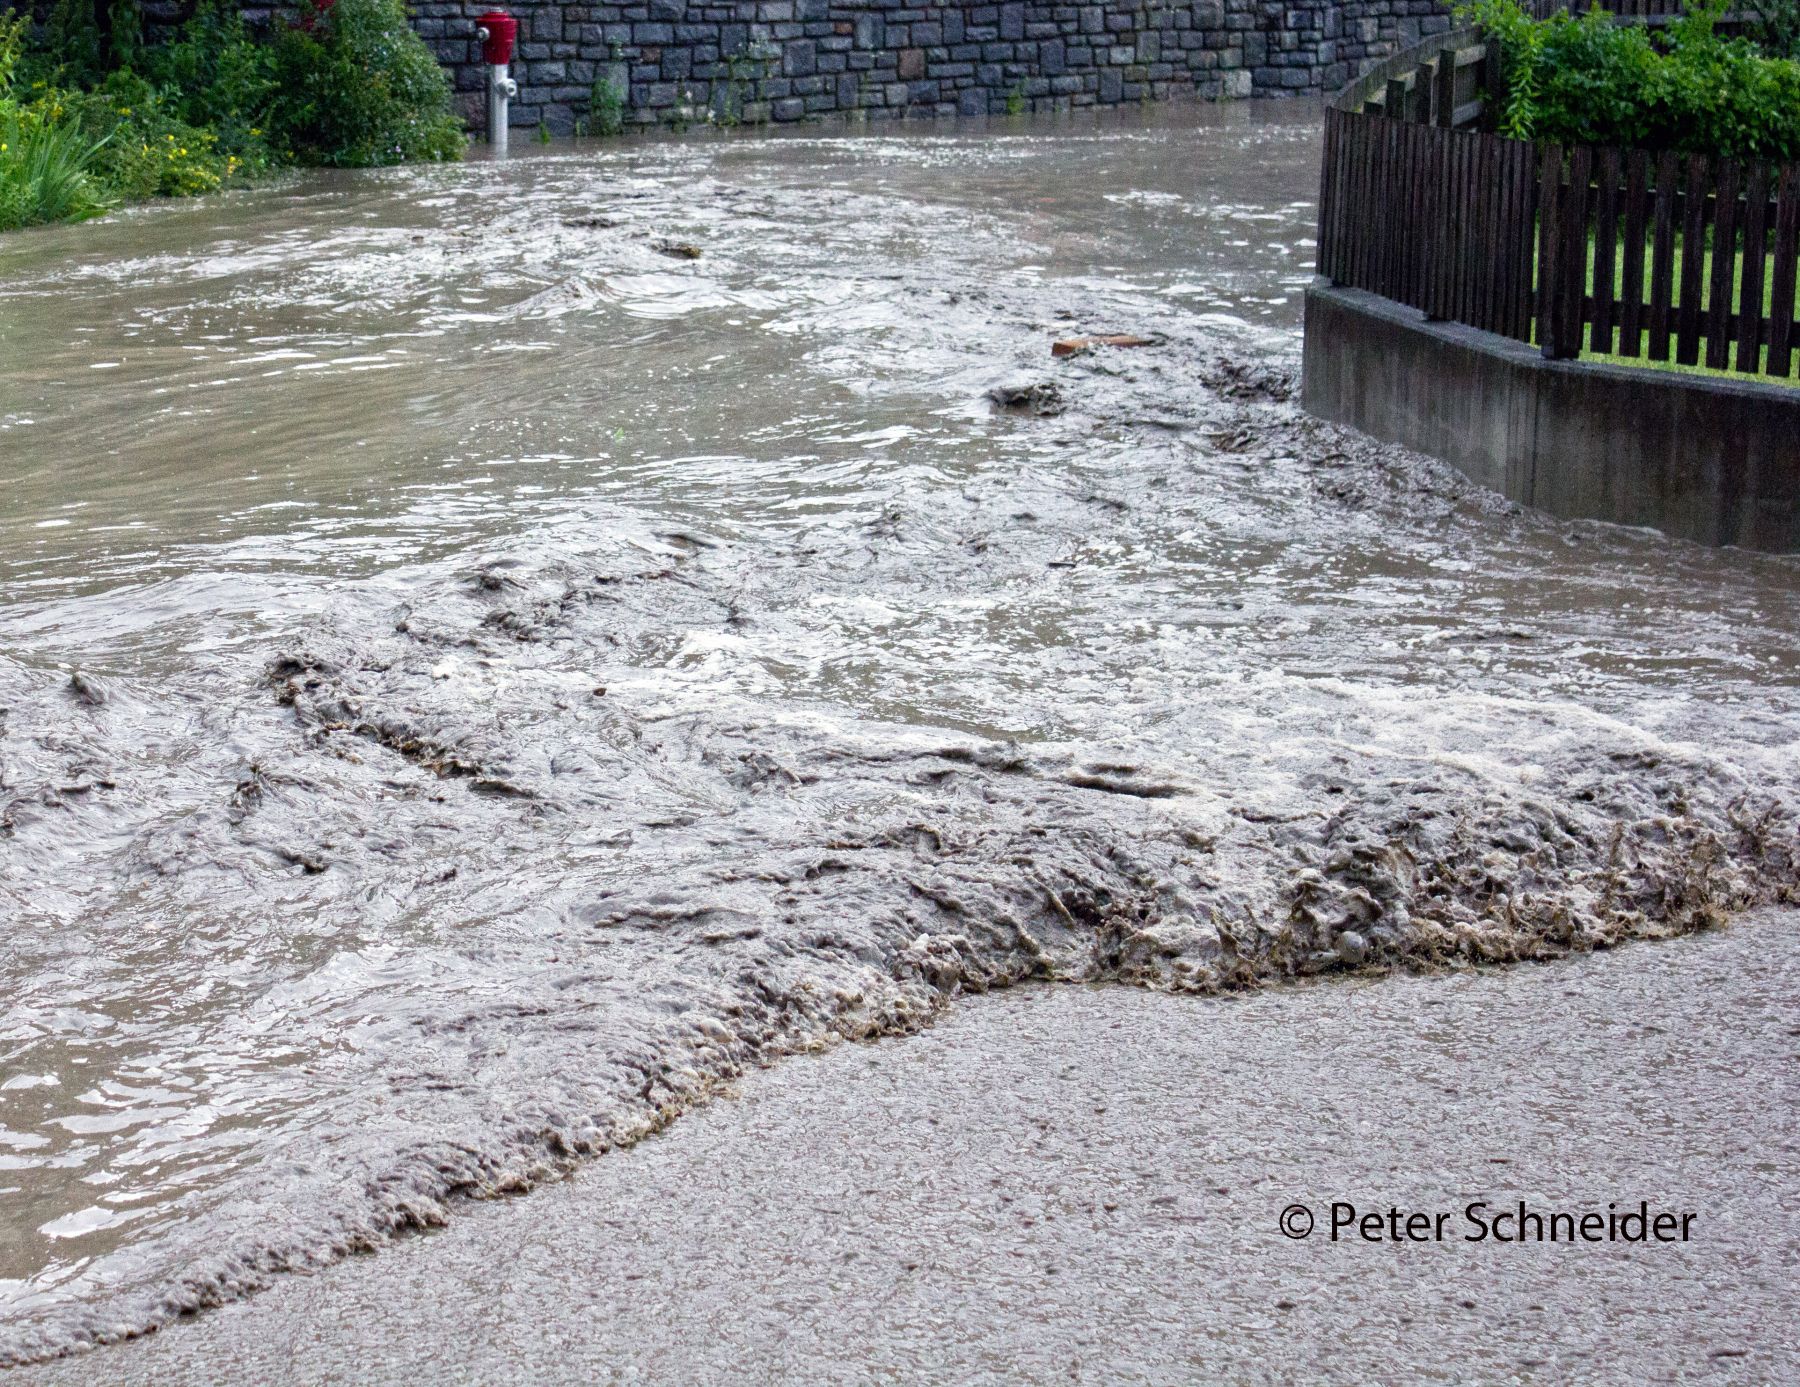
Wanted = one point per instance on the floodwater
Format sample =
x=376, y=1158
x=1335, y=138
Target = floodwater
x=476, y=675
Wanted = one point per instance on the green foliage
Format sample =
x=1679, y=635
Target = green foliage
x=606, y=107
x=142, y=147
x=45, y=167
x=1777, y=27
x=12, y=46
x=215, y=76
x=70, y=45
x=358, y=88
x=86, y=122
x=1521, y=40
x=1589, y=81
x=46, y=160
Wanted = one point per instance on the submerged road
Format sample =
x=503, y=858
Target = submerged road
x=492, y=655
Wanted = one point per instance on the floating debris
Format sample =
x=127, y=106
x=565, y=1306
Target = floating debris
x=1074, y=346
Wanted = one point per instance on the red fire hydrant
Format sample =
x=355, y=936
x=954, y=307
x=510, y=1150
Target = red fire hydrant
x=498, y=32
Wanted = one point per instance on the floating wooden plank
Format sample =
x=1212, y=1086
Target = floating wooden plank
x=1069, y=346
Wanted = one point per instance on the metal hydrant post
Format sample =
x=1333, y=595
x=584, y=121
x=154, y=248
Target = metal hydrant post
x=498, y=31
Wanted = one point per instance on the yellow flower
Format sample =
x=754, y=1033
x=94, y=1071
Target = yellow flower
x=124, y=110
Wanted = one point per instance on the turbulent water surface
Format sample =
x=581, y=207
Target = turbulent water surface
x=474, y=674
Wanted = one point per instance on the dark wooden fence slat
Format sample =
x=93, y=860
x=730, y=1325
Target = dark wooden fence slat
x=1783, y=273
x=1327, y=209
x=1362, y=251
x=1631, y=258
x=1430, y=202
x=1662, y=257
x=1456, y=189
x=1383, y=165
x=1750, y=291
x=1693, y=259
x=1719, y=292
x=1356, y=201
x=1549, y=262
x=1403, y=241
x=1470, y=228
x=1436, y=218
x=1418, y=243
x=1606, y=246
x=1486, y=223
x=1525, y=231
x=1572, y=291
x=1393, y=135
x=1340, y=178
x=1446, y=89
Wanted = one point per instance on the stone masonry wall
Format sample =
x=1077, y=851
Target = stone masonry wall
x=753, y=61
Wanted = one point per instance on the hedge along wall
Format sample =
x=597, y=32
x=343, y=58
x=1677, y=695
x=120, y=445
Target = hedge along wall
x=749, y=61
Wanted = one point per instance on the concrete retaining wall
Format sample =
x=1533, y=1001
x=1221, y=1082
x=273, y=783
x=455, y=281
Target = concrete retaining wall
x=1704, y=458
x=749, y=61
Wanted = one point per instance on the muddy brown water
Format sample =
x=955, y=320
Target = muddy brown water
x=473, y=680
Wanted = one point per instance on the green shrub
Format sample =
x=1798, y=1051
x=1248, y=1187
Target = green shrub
x=1777, y=26
x=606, y=106
x=215, y=76
x=46, y=168
x=12, y=47
x=143, y=148
x=86, y=123
x=1589, y=81
x=46, y=159
x=356, y=87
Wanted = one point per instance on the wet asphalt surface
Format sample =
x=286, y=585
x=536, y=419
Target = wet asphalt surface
x=1084, y=1185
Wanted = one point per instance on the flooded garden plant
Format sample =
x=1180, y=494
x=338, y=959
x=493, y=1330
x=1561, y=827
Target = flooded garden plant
x=87, y=123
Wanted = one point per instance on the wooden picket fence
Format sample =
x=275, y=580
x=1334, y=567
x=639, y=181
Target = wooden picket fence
x=1620, y=9
x=1656, y=257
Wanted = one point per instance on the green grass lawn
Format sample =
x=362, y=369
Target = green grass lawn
x=1701, y=369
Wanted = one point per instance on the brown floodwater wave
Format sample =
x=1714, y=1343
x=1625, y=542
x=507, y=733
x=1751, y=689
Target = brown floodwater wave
x=473, y=680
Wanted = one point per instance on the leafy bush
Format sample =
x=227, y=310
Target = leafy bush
x=1589, y=81
x=1777, y=26
x=356, y=87
x=143, y=148
x=86, y=122
x=46, y=160
x=606, y=105
x=217, y=77
x=45, y=169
